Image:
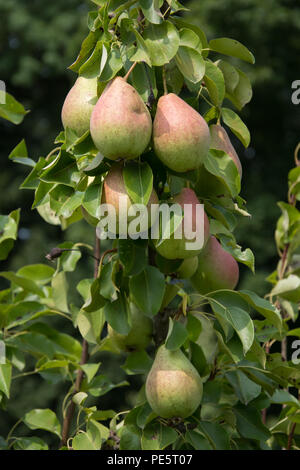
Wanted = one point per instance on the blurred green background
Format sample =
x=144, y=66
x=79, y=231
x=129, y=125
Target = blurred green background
x=39, y=40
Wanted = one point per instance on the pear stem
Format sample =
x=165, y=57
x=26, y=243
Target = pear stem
x=164, y=77
x=129, y=71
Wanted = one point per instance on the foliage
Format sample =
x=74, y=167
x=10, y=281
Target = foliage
x=241, y=376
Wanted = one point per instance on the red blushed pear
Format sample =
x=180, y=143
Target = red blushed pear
x=180, y=134
x=121, y=125
x=173, y=248
x=79, y=104
x=114, y=190
x=217, y=269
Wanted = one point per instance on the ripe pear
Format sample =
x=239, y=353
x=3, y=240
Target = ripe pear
x=173, y=387
x=207, y=183
x=114, y=190
x=188, y=268
x=79, y=104
x=180, y=134
x=217, y=269
x=140, y=335
x=172, y=248
x=121, y=125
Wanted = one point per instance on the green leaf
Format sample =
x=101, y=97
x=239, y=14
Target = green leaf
x=117, y=314
x=151, y=11
x=245, y=389
x=90, y=325
x=288, y=288
x=43, y=419
x=90, y=370
x=112, y=65
x=133, y=256
x=263, y=306
x=162, y=42
x=190, y=63
x=20, y=155
x=237, y=126
x=216, y=435
x=5, y=378
x=26, y=284
x=95, y=300
x=60, y=291
x=39, y=273
x=100, y=385
x=87, y=47
x=30, y=443
x=283, y=397
x=8, y=232
x=141, y=53
x=232, y=48
x=214, y=82
x=222, y=166
x=156, y=436
x=230, y=74
x=143, y=80
x=137, y=362
x=91, y=68
x=12, y=110
x=243, y=91
x=197, y=440
x=249, y=423
x=147, y=290
x=130, y=438
x=190, y=39
x=177, y=335
x=92, y=198
x=83, y=441
x=138, y=179
x=62, y=169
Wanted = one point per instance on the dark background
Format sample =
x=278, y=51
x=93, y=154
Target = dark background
x=39, y=40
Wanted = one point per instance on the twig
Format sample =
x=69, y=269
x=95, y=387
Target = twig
x=84, y=358
x=291, y=436
x=164, y=77
x=129, y=71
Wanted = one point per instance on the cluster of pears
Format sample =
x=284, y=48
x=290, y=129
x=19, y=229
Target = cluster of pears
x=121, y=128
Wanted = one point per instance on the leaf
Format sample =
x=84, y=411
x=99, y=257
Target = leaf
x=30, y=443
x=92, y=198
x=151, y=11
x=249, y=423
x=91, y=68
x=90, y=370
x=137, y=362
x=156, y=436
x=141, y=53
x=20, y=155
x=62, y=169
x=197, y=440
x=284, y=397
x=162, y=42
x=40, y=273
x=26, y=284
x=83, y=441
x=116, y=314
x=263, y=306
x=130, y=438
x=288, y=288
x=230, y=74
x=100, y=385
x=43, y=419
x=190, y=39
x=177, y=335
x=138, y=179
x=243, y=91
x=190, y=63
x=90, y=325
x=232, y=48
x=133, y=256
x=5, y=378
x=87, y=47
x=214, y=82
x=245, y=389
x=8, y=232
x=112, y=65
x=216, y=435
x=59, y=291
x=237, y=126
x=222, y=166
x=147, y=290
x=12, y=110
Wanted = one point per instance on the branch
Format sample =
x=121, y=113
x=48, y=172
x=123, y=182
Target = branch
x=84, y=358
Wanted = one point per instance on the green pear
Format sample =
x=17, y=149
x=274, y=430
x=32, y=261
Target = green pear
x=140, y=335
x=188, y=268
x=121, y=125
x=175, y=248
x=114, y=190
x=173, y=386
x=79, y=104
x=208, y=184
x=180, y=134
x=217, y=269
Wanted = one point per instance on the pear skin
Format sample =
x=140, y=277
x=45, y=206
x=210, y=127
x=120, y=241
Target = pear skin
x=121, y=125
x=174, y=248
x=173, y=387
x=217, y=269
x=180, y=134
x=79, y=104
x=114, y=189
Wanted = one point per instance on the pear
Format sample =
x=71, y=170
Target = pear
x=208, y=184
x=121, y=125
x=180, y=134
x=217, y=269
x=79, y=104
x=114, y=190
x=173, y=248
x=173, y=386
x=140, y=335
x=188, y=268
